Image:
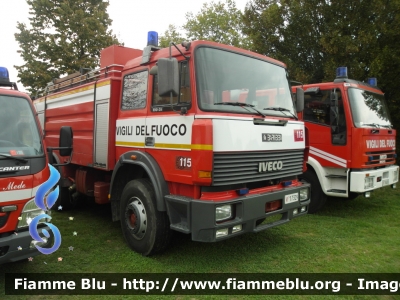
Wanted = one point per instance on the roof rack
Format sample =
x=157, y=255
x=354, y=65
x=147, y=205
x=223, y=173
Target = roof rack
x=81, y=77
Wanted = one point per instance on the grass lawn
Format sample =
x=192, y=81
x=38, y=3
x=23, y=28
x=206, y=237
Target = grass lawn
x=358, y=236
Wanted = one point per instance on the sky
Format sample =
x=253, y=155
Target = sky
x=132, y=20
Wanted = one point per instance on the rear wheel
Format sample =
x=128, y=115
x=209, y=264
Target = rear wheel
x=145, y=229
x=318, y=197
x=64, y=200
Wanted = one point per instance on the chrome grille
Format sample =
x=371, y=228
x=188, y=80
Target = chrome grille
x=234, y=168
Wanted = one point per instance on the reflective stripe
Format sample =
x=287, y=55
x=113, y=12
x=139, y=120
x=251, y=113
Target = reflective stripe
x=329, y=157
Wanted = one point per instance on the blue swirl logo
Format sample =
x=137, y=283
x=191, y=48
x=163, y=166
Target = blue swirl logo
x=45, y=203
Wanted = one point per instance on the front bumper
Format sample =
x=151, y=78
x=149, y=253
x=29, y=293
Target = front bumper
x=18, y=246
x=363, y=181
x=198, y=217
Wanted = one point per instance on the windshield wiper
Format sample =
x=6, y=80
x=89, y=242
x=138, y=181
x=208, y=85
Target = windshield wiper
x=14, y=157
x=386, y=126
x=281, y=109
x=241, y=104
x=377, y=125
x=371, y=124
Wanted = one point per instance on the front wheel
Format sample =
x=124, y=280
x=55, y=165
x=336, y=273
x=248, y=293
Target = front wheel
x=318, y=197
x=352, y=196
x=145, y=229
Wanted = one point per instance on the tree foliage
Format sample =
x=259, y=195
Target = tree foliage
x=315, y=36
x=288, y=30
x=219, y=22
x=63, y=36
x=171, y=35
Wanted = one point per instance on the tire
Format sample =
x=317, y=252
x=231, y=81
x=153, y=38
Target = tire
x=259, y=222
x=318, y=197
x=145, y=229
x=64, y=200
x=353, y=196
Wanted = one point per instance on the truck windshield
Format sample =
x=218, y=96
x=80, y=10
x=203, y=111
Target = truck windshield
x=19, y=135
x=368, y=109
x=244, y=84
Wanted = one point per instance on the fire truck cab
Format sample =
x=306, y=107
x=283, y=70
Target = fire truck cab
x=23, y=168
x=352, y=140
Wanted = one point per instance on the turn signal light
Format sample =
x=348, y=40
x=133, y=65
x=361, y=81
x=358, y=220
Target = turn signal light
x=204, y=174
x=272, y=206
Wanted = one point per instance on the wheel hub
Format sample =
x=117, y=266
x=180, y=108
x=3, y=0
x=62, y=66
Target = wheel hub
x=136, y=218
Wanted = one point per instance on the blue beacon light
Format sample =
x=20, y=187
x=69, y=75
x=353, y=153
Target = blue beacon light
x=152, y=38
x=341, y=72
x=4, y=76
x=372, y=81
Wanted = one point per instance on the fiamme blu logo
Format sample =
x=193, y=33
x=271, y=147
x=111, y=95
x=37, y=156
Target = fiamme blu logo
x=45, y=198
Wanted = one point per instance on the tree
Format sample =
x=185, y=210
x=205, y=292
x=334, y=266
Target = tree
x=289, y=30
x=219, y=22
x=350, y=38
x=171, y=35
x=63, y=37
x=386, y=61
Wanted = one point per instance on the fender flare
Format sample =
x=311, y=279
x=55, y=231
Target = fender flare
x=153, y=170
x=316, y=166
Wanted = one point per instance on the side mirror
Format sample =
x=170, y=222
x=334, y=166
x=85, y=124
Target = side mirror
x=64, y=146
x=65, y=143
x=168, y=77
x=299, y=99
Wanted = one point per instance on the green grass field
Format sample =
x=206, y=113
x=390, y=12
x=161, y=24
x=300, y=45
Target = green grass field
x=358, y=236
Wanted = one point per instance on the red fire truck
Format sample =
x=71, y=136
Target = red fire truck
x=352, y=140
x=23, y=168
x=201, y=138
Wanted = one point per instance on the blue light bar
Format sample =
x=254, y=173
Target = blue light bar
x=372, y=81
x=4, y=74
x=242, y=191
x=341, y=72
x=286, y=183
x=152, y=38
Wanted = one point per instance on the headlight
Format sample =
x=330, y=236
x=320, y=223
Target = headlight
x=369, y=182
x=221, y=232
x=304, y=194
x=223, y=212
x=29, y=212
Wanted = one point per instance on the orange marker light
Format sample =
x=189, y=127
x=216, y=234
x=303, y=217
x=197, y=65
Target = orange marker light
x=204, y=174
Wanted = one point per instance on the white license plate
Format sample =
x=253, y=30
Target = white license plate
x=291, y=198
x=383, y=156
